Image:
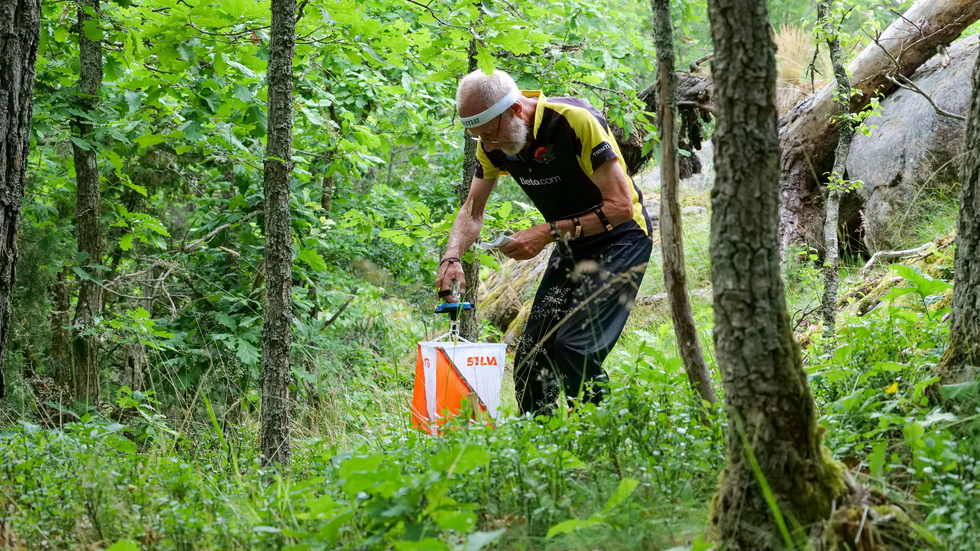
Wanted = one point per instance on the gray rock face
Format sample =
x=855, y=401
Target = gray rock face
x=912, y=156
x=649, y=180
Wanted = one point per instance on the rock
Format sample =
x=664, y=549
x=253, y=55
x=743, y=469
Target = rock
x=912, y=155
x=694, y=210
x=649, y=180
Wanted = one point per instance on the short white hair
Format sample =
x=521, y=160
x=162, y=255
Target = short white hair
x=487, y=88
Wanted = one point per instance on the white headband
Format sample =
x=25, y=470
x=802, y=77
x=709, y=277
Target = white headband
x=493, y=111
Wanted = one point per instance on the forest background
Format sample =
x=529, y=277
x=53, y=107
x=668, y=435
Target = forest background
x=133, y=366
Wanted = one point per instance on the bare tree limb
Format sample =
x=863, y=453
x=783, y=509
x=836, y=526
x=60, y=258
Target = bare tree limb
x=902, y=81
x=217, y=230
x=888, y=256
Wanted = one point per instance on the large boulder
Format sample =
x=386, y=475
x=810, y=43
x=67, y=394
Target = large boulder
x=912, y=156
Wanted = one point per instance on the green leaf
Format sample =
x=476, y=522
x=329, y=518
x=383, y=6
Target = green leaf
x=313, y=259
x=461, y=459
x=247, y=353
x=876, y=461
x=146, y=140
x=124, y=545
x=242, y=93
x=960, y=390
x=92, y=30
x=126, y=242
x=478, y=540
x=226, y=320
x=135, y=187
x=81, y=143
x=913, y=432
x=571, y=525
x=626, y=487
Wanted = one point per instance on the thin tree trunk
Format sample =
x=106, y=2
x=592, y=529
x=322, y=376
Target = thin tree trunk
x=964, y=330
x=845, y=137
x=326, y=195
x=85, y=348
x=469, y=322
x=277, y=317
x=767, y=398
x=808, y=139
x=60, y=340
x=20, y=30
x=671, y=235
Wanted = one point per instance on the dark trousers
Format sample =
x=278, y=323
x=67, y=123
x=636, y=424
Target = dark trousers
x=579, y=311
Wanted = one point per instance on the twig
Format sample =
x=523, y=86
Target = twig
x=596, y=87
x=341, y=311
x=436, y=17
x=888, y=256
x=215, y=231
x=697, y=62
x=904, y=82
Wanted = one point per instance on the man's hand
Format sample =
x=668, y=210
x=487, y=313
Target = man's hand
x=450, y=273
x=527, y=243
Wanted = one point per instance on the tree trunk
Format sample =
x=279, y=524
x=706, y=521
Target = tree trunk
x=845, y=137
x=767, y=398
x=277, y=317
x=469, y=323
x=326, y=195
x=85, y=348
x=60, y=340
x=671, y=235
x=20, y=30
x=964, y=330
x=808, y=136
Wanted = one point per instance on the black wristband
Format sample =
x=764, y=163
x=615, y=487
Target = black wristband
x=602, y=218
x=449, y=259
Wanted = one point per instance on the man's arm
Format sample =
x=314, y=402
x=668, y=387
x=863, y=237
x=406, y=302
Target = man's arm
x=617, y=205
x=466, y=229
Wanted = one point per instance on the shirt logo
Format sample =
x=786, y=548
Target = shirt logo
x=544, y=154
x=542, y=182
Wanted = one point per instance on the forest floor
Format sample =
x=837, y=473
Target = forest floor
x=637, y=473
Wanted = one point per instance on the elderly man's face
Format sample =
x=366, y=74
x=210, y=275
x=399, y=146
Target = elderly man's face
x=506, y=132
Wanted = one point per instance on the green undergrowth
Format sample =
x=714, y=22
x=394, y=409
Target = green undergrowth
x=636, y=473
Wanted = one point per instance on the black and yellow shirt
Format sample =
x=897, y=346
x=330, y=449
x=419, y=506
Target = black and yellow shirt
x=570, y=141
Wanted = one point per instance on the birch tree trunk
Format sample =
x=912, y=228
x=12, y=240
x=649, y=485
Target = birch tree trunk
x=964, y=330
x=774, y=437
x=845, y=137
x=671, y=235
x=85, y=348
x=808, y=136
x=19, y=37
x=277, y=316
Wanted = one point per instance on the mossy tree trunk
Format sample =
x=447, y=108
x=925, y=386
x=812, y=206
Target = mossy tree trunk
x=19, y=37
x=85, y=348
x=964, y=334
x=277, y=315
x=671, y=235
x=469, y=322
x=834, y=191
x=767, y=399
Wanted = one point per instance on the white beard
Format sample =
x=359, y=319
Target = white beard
x=514, y=138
